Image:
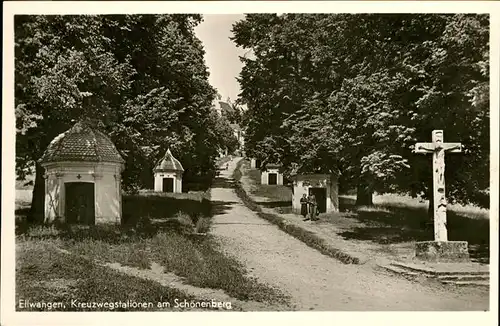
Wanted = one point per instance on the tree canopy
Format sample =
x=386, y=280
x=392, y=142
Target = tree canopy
x=141, y=78
x=351, y=94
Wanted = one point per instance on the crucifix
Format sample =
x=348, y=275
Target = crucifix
x=438, y=148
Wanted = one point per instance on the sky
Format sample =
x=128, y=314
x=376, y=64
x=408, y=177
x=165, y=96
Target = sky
x=221, y=54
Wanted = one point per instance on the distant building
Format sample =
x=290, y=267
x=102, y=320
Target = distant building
x=168, y=174
x=82, y=178
x=271, y=175
x=254, y=163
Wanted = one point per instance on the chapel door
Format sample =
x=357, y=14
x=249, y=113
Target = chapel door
x=168, y=184
x=320, y=194
x=273, y=178
x=80, y=203
x=257, y=164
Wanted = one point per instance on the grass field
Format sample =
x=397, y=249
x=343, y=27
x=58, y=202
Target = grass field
x=23, y=198
x=26, y=184
x=275, y=193
x=394, y=200
x=392, y=219
x=381, y=202
x=160, y=206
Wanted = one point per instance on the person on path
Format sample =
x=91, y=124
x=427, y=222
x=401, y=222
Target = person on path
x=304, y=203
x=313, y=207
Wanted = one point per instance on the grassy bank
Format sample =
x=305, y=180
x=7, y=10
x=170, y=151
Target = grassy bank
x=275, y=193
x=165, y=231
x=44, y=275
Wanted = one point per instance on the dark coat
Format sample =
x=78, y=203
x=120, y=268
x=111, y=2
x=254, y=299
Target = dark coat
x=303, y=206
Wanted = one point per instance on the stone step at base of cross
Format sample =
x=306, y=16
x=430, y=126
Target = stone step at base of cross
x=459, y=278
x=418, y=271
x=468, y=283
x=434, y=272
x=400, y=271
x=463, y=278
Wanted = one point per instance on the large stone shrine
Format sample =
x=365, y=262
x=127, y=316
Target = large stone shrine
x=323, y=186
x=82, y=178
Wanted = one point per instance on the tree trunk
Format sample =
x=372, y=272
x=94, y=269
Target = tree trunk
x=36, y=214
x=364, y=195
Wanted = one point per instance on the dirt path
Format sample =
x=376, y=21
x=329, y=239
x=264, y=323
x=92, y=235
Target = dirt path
x=315, y=281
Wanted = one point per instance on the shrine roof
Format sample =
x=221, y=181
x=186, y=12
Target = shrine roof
x=273, y=166
x=169, y=163
x=81, y=143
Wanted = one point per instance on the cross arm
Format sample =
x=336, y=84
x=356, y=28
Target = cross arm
x=424, y=148
x=452, y=147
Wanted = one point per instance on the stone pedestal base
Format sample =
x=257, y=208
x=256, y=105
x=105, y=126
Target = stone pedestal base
x=442, y=251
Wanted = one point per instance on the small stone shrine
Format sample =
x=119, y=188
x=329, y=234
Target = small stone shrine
x=168, y=174
x=82, y=178
x=271, y=175
x=254, y=163
x=323, y=186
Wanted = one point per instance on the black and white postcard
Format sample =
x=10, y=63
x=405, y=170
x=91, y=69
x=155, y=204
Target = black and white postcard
x=337, y=160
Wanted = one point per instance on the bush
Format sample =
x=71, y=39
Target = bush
x=203, y=225
x=164, y=206
x=185, y=222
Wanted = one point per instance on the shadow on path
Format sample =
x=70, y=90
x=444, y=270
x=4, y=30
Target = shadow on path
x=220, y=182
x=220, y=207
x=275, y=204
x=240, y=223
